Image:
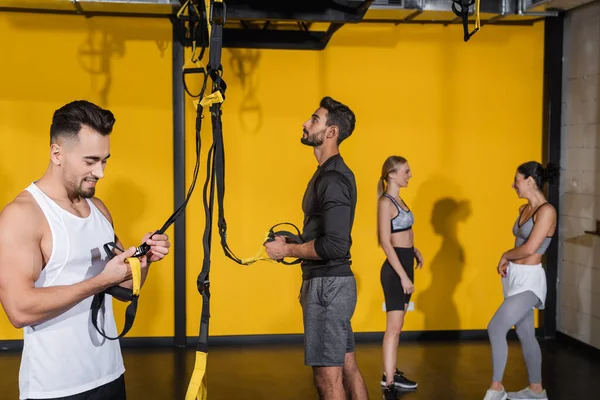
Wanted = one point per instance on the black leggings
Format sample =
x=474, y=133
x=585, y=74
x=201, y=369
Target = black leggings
x=395, y=298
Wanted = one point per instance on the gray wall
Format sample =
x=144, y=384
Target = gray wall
x=578, y=307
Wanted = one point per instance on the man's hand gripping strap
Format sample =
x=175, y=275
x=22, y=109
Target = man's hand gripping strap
x=121, y=293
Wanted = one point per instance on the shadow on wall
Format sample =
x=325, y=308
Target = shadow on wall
x=445, y=264
x=438, y=203
x=244, y=64
x=95, y=55
x=105, y=42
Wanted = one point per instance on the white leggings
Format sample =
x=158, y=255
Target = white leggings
x=517, y=311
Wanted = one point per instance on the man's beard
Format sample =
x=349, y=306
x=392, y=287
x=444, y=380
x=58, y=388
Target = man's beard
x=85, y=193
x=313, y=139
x=79, y=190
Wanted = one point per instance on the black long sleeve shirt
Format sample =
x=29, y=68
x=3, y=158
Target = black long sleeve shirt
x=329, y=204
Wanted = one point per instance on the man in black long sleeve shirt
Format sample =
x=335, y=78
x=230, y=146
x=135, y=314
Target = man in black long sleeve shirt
x=329, y=203
x=328, y=294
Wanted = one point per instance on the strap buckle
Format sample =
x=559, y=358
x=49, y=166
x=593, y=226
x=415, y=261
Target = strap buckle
x=110, y=248
x=218, y=12
x=204, y=287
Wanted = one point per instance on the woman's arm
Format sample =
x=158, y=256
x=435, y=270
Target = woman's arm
x=419, y=257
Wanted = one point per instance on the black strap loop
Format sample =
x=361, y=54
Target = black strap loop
x=196, y=70
x=461, y=9
x=290, y=237
x=121, y=293
x=142, y=249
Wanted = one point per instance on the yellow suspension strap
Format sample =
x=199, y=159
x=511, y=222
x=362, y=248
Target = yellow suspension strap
x=290, y=237
x=461, y=9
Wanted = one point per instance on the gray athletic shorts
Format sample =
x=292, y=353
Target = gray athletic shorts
x=328, y=304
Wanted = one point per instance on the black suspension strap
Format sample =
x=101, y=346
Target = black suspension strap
x=131, y=295
x=216, y=14
x=215, y=183
x=461, y=9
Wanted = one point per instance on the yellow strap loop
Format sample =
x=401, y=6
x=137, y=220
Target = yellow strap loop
x=197, y=389
x=215, y=97
x=136, y=274
x=259, y=256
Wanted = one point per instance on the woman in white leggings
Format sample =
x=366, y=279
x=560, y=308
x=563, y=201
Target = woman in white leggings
x=524, y=282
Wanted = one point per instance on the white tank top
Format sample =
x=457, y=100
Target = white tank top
x=66, y=355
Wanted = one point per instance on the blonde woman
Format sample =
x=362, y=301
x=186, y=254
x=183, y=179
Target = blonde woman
x=394, y=227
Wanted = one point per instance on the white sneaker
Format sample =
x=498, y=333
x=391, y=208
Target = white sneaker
x=495, y=395
x=528, y=394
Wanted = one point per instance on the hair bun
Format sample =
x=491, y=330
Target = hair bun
x=551, y=173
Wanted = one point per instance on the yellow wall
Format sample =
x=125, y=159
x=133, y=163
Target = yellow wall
x=464, y=114
x=124, y=65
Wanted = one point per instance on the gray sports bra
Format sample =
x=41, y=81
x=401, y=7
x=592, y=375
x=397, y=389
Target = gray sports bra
x=522, y=232
x=404, y=220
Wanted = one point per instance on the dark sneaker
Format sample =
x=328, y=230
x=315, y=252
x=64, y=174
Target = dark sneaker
x=400, y=381
x=390, y=393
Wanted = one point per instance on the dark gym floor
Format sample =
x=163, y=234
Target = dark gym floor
x=444, y=370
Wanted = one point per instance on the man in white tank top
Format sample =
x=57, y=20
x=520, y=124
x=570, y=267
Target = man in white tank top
x=52, y=263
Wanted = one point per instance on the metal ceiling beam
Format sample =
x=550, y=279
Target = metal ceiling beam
x=278, y=40
x=243, y=16
x=251, y=23
x=331, y=11
x=497, y=7
x=340, y=11
x=525, y=8
x=500, y=22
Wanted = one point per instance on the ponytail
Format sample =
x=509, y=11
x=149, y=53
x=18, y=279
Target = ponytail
x=551, y=173
x=380, y=187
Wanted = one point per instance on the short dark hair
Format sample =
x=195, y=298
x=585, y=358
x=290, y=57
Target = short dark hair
x=539, y=174
x=340, y=115
x=68, y=120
